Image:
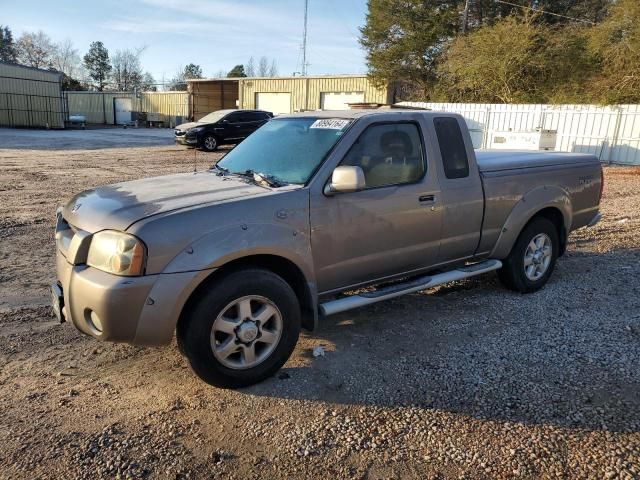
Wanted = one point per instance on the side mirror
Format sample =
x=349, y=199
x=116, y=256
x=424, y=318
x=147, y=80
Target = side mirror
x=224, y=121
x=346, y=179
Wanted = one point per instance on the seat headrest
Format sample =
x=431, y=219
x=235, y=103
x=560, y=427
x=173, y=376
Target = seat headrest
x=396, y=143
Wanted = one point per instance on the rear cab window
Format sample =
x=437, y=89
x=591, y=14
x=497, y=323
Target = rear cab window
x=452, y=147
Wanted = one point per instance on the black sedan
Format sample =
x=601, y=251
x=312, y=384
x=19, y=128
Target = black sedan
x=223, y=127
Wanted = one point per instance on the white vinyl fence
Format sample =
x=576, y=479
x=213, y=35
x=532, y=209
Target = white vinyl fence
x=612, y=133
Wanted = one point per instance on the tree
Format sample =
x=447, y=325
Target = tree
x=250, y=68
x=65, y=59
x=404, y=39
x=237, y=71
x=96, y=61
x=148, y=83
x=71, y=84
x=35, y=49
x=273, y=69
x=126, y=70
x=179, y=83
x=263, y=67
x=8, y=52
x=192, y=71
x=616, y=44
x=516, y=60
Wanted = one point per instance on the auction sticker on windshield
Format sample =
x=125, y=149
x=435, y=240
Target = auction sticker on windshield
x=330, y=123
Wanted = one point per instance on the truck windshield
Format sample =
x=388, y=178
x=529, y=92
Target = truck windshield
x=287, y=149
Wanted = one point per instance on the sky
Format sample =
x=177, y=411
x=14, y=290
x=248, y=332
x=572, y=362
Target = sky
x=215, y=34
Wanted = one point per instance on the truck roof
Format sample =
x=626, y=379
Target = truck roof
x=363, y=113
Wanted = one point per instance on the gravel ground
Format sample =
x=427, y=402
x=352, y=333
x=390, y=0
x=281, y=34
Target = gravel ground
x=467, y=380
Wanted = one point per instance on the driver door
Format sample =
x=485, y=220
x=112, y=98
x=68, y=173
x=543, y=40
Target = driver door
x=389, y=228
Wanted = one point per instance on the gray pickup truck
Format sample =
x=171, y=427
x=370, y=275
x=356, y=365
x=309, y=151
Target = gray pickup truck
x=289, y=224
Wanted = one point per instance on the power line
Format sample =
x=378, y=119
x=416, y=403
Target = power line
x=545, y=12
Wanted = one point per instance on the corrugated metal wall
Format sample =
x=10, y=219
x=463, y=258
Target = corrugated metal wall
x=30, y=97
x=612, y=133
x=98, y=107
x=306, y=91
x=212, y=95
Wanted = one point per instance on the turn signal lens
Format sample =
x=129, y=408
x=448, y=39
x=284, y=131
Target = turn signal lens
x=117, y=252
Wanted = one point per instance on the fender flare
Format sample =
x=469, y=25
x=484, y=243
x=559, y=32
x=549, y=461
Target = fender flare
x=533, y=202
x=195, y=263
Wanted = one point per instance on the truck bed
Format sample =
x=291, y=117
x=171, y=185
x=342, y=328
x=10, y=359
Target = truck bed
x=498, y=160
x=508, y=175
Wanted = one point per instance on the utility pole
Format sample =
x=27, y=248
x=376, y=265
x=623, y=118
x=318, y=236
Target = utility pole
x=304, y=39
x=465, y=17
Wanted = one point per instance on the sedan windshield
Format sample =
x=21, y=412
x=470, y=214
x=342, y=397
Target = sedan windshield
x=214, y=116
x=287, y=149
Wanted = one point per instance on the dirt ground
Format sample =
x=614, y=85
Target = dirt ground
x=464, y=381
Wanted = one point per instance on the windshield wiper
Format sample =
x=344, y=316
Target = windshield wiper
x=221, y=170
x=257, y=177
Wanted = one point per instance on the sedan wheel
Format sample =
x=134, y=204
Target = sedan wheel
x=210, y=143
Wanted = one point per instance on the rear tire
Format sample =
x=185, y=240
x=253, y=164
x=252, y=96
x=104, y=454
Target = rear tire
x=242, y=330
x=532, y=258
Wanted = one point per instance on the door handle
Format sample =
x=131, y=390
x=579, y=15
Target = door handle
x=427, y=198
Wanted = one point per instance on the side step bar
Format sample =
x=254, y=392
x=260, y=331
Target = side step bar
x=415, y=285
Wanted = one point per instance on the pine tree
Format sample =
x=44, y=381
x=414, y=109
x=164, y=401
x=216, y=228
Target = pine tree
x=96, y=61
x=8, y=51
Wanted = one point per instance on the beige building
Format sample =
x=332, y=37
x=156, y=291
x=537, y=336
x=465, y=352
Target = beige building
x=294, y=94
x=285, y=94
x=30, y=97
x=277, y=95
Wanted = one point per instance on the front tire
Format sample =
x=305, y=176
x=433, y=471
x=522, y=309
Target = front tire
x=533, y=257
x=242, y=330
x=209, y=143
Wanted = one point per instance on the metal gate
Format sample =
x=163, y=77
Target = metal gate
x=611, y=133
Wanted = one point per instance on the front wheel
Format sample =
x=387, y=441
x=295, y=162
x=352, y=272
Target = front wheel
x=209, y=143
x=242, y=330
x=532, y=258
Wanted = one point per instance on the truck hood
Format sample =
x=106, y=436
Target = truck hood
x=122, y=204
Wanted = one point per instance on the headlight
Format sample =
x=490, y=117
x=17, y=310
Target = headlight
x=117, y=252
x=195, y=130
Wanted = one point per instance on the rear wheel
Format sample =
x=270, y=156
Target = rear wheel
x=533, y=257
x=242, y=330
x=209, y=143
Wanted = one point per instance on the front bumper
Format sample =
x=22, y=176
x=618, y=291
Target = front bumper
x=105, y=306
x=188, y=141
x=138, y=310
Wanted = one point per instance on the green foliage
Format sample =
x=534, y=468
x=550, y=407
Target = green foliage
x=192, y=71
x=71, y=84
x=506, y=53
x=515, y=60
x=237, y=71
x=403, y=39
x=96, y=61
x=616, y=44
x=8, y=52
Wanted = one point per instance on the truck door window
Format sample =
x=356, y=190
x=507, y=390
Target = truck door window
x=389, y=154
x=452, y=148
